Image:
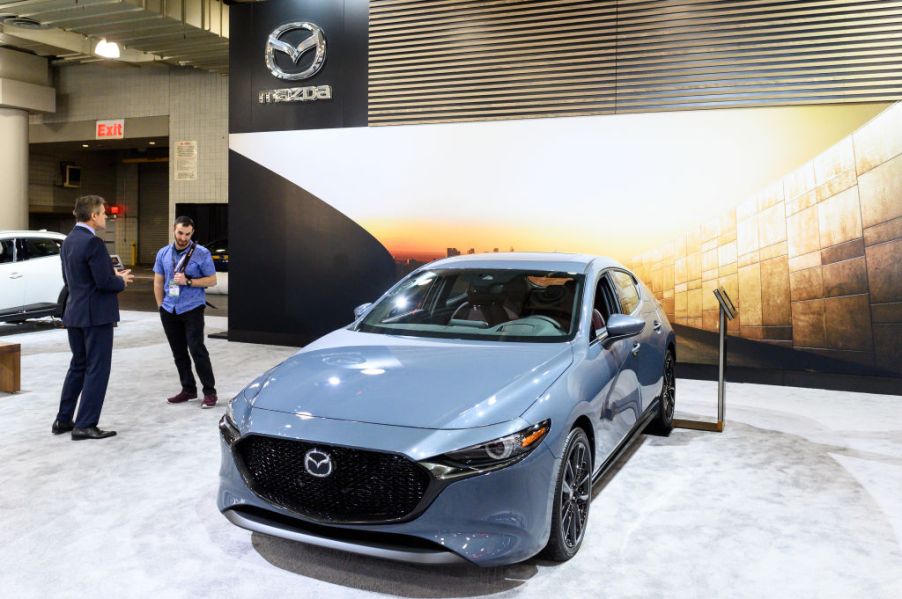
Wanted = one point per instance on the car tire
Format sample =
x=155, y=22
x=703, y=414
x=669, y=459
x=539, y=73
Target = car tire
x=570, y=508
x=662, y=425
x=61, y=303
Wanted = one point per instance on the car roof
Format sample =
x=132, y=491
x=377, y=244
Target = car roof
x=550, y=261
x=46, y=234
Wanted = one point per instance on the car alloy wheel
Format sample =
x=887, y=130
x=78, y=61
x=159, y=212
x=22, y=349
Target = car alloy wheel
x=573, y=495
x=663, y=423
x=668, y=391
x=576, y=492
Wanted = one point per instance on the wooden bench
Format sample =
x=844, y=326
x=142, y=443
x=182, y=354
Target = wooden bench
x=10, y=367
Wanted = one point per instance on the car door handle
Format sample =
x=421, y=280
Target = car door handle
x=657, y=326
x=16, y=275
x=636, y=347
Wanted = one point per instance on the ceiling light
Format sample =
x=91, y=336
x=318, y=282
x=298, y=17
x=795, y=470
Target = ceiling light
x=151, y=143
x=107, y=49
x=23, y=22
x=85, y=145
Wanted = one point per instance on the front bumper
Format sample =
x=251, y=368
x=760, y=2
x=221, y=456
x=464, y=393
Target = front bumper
x=492, y=519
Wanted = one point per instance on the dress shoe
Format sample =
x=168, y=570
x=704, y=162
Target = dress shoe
x=209, y=401
x=59, y=428
x=182, y=397
x=92, y=432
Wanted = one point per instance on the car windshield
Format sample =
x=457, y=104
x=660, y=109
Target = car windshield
x=493, y=305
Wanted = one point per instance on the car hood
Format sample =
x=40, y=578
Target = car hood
x=413, y=382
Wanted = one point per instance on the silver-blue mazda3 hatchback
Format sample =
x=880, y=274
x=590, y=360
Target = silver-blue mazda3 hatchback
x=462, y=417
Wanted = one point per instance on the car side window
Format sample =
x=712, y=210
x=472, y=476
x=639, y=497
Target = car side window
x=6, y=250
x=626, y=291
x=604, y=299
x=40, y=247
x=603, y=306
x=21, y=254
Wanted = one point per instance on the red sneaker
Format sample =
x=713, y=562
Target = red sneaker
x=209, y=401
x=182, y=397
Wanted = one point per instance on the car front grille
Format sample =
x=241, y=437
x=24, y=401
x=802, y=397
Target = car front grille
x=363, y=486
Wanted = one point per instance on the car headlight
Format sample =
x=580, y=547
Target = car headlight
x=489, y=456
x=228, y=428
x=230, y=411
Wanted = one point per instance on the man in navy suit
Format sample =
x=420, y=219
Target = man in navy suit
x=91, y=311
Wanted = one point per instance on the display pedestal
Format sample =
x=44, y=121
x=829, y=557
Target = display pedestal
x=727, y=312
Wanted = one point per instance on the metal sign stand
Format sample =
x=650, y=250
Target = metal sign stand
x=727, y=312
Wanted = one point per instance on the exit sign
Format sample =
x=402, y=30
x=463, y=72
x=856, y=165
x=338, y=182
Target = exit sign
x=112, y=129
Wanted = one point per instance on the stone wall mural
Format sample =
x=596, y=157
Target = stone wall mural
x=813, y=261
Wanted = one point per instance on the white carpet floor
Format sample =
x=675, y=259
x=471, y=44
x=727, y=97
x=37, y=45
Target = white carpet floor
x=801, y=496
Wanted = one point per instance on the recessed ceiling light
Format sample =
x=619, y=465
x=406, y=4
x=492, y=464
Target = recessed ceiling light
x=23, y=22
x=106, y=49
x=151, y=143
x=85, y=145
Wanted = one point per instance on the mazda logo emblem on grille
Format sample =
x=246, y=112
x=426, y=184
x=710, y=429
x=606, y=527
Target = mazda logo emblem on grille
x=318, y=463
x=317, y=41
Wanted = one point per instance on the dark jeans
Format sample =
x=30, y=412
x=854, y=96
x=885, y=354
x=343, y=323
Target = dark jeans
x=88, y=376
x=185, y=333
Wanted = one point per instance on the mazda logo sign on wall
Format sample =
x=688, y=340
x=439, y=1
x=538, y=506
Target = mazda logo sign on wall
x=317, y=41
x=318, y=463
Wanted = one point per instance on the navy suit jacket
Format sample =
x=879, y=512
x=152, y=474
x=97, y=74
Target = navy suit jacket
x=92, y=282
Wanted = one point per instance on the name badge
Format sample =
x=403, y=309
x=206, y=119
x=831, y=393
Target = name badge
x=173, y=290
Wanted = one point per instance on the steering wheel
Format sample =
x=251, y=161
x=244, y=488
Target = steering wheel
x=460, y=309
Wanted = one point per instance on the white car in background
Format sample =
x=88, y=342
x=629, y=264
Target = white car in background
x=31, y=275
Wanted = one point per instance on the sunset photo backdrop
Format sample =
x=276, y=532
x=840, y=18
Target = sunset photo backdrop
x=795, y=211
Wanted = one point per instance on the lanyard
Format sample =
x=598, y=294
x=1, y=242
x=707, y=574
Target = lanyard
x=183, y=264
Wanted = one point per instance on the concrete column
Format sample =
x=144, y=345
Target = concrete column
x=13, y=168
x=24, y=81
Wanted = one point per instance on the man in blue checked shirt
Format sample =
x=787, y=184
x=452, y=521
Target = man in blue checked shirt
x=182, y=271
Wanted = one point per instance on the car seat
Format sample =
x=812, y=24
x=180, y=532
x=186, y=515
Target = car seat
x=484, y=303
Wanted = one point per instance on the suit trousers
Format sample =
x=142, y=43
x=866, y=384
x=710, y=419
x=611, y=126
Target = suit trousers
x=185, y=333
x=88, y=375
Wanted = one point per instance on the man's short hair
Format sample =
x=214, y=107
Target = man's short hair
x=86, y=207
x=185, y=221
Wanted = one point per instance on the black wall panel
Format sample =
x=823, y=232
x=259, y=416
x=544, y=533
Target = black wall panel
x=211, y=221
x=345, y=26
x=298, y=267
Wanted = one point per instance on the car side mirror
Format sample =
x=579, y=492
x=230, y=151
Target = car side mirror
x=621, y=326
x=361, y=310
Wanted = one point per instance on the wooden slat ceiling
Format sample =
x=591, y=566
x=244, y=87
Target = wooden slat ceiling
x=465, y=60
